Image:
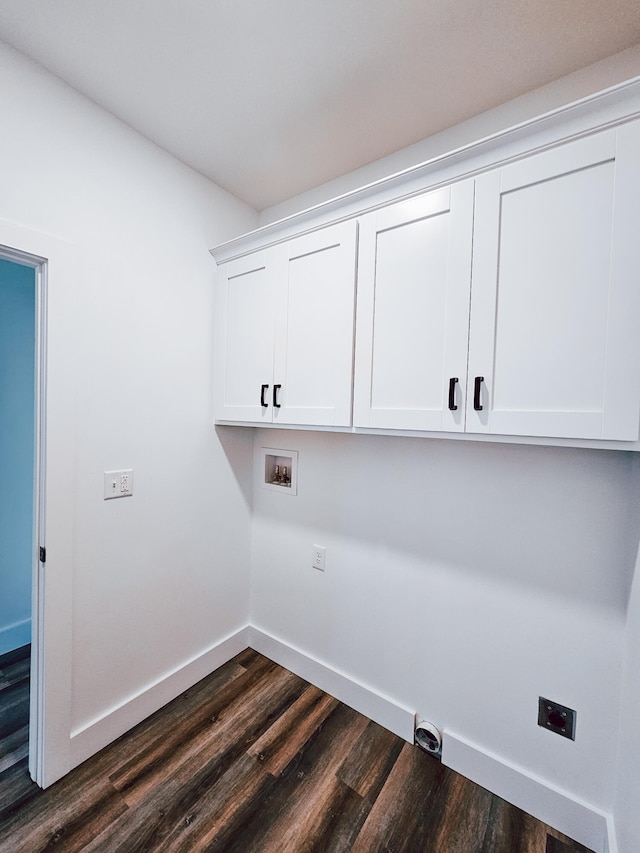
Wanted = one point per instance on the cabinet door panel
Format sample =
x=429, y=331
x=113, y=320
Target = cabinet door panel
x=315, y=327
x=549, y=340
x=244, y=346
x=413, y=312
x=543, y=295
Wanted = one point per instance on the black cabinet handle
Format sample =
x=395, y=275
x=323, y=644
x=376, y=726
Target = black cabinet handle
x=263, y=388
x=276, y=404
x=477, y=405
x=452, y=393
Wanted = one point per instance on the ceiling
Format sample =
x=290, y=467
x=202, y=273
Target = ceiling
x=269, y=98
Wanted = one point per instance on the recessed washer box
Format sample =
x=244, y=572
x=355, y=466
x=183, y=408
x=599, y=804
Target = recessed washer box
x=279, y=470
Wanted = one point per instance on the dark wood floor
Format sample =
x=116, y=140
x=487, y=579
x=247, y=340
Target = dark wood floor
x=14, y=713
x=253, y=758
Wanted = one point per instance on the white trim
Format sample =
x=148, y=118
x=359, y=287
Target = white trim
x=611, y=842
x=367, y=701
x=15, y=635
x=599, y=444
x=50, y=704
x=573, y=817
x=569, y=815
x=595, y=112
x=579, y=820
x=37, y=703
x=93, y=736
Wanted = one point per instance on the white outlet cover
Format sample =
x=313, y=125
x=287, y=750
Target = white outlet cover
x=118, y=484
x=317, y=557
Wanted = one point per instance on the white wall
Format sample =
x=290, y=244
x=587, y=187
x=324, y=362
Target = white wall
x=627, y=811
x=162, y=576
x=463, y=581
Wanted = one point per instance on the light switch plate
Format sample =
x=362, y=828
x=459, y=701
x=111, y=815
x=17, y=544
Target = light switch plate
x=118, y=484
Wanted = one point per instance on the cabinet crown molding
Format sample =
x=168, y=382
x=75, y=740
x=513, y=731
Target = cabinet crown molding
x=607, y=108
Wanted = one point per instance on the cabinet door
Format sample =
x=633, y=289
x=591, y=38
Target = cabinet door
x=413, y=312
x=554, y=343
x=314, y=327
x=244, y=339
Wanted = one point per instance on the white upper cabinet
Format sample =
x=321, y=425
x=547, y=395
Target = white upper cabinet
x=245, y=338
x=315, y=326
x=284, y=349
x=552, y=335
x=554, y=345
x=498, y=294
x=414, y=274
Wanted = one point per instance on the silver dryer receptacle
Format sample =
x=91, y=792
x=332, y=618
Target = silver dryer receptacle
x=428, y=737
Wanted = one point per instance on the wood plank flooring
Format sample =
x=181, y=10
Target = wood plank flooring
x=253, y=759
x=14, y=723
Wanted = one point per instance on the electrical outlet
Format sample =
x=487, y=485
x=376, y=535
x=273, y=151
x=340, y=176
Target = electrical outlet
x=557, y=718
x=118, y=484
x=317, y=557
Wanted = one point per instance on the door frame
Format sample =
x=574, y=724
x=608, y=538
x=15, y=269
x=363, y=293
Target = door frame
x=51, y=606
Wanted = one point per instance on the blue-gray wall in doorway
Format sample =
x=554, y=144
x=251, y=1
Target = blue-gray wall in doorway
x=17, y=382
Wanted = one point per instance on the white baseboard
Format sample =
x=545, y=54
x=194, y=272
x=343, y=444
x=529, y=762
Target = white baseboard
x=579, y=820
x=379, y=708
x=93, y=736
x=575, y=818
x=14, y=636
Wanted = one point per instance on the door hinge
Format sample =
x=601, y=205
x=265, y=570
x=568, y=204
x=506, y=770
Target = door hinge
x=43, y=555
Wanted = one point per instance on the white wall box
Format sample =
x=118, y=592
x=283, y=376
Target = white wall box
x=279, y=470
x=284, y=348
x=496, y=295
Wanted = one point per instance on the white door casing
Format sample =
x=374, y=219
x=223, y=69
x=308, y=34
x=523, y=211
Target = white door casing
x=50, y=705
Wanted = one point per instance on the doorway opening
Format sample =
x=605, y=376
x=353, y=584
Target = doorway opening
x=17, y=503
x=21, y=502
